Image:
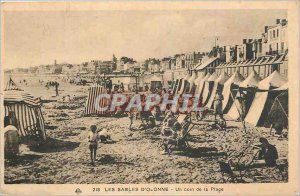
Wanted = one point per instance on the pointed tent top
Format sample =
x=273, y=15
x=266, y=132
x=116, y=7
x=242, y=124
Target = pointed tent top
x=251, y=81
x=236, y=79
x=213, y=77
x=274, y=80
x=11, y=85
x=192, y=78
x=222, y=78
x=201, y=75
x=206, y=77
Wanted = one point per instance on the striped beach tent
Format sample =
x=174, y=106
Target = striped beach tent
x=218, y=85
x=179, y=85
x=191, y=81
x=279, y=112
x=208, y=87
x=185, y=85
x=229, y=90
x=246, y=88
x=25, y=110
x=200, y=86
x=174, y=86
x=90, y=108
x=264, y=98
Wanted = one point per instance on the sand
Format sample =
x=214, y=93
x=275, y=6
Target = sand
x=132, y=156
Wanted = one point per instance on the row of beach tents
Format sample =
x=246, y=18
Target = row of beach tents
x=265, y=101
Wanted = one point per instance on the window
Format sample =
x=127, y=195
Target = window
x=273, y=33
x=277, y=32
x=277, y=46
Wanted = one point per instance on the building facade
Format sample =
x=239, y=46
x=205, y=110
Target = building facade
x=277, y=38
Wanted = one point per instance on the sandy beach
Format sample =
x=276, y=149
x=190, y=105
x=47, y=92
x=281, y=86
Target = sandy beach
x=132, y=156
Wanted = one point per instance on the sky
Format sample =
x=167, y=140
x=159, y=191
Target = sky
x=35, y=38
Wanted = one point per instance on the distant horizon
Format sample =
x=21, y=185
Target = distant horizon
x=38, y=38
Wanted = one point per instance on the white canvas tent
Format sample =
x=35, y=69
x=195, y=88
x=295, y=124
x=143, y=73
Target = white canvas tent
x=208, y=87
x=264, y=98
x=229, y=92
x=251, y=82
x=28, y=117
x=218, y=85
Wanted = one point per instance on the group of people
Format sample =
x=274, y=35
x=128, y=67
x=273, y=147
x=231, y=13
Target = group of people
x=23, y=81
x=54, y=84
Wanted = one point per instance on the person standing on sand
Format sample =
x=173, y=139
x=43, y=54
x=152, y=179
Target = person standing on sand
x=93, y=140
x=218, y=105
x=56, y=88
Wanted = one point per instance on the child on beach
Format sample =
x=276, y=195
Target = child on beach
x=93, y=140
x=104, y=135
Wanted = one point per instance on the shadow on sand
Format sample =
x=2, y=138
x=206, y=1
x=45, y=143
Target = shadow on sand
x=53, y=145
x=109, y=159
x=25, y=159
x=200, y=152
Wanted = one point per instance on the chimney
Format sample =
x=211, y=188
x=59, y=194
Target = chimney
x=244, y=41
x=277, y=21
x=283, y=21
x=266, y=29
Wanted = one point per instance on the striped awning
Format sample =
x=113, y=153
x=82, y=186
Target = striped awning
x=14, y=96
x=280, y=59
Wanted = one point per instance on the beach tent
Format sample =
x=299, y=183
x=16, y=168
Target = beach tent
x=200, y=86
x=229, y=90
x=279, y=110
x=264, y=98
x=197, y=81
x=247, y=87
x=26, y=109
x=218, y=85
x=174, y=86
x=192, y=85
x=201, y=75
x=90, y=108
x=185, y=85
x=208, y=87
x=178, y=86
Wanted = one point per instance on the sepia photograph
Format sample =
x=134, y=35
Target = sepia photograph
x=147, y=96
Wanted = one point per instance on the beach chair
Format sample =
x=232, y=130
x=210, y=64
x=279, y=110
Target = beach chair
x=183, y=136
x=245, y=161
